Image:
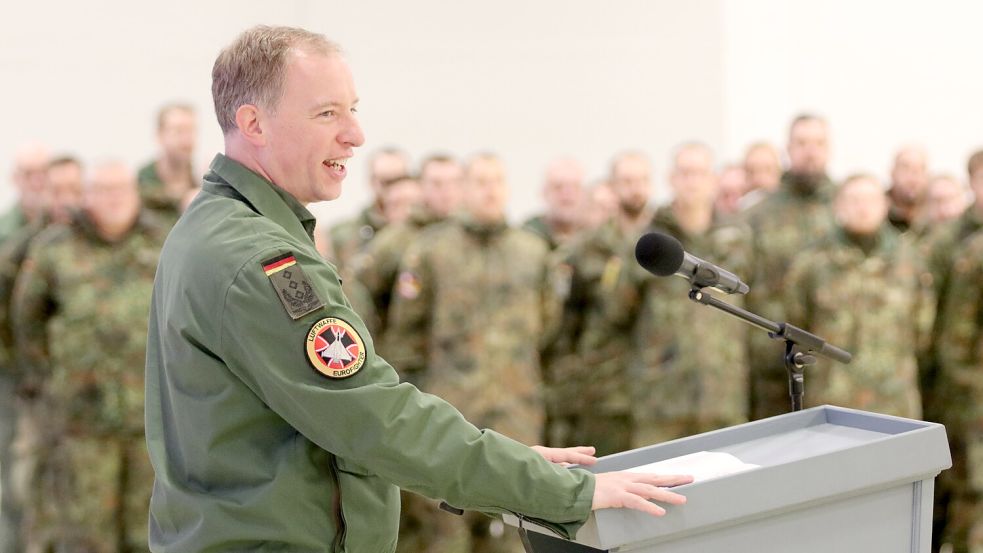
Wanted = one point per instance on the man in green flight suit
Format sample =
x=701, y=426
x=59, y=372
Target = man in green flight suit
x=271, y=421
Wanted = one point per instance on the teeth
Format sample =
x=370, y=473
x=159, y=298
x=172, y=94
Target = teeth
x=339, y=163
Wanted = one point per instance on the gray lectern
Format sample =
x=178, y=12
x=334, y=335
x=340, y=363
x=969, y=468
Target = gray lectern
x=830, y=480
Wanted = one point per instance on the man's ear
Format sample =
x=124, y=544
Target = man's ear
x=250, y=127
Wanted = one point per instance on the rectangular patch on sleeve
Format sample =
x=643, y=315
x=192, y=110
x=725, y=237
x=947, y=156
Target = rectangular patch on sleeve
x=295, y=291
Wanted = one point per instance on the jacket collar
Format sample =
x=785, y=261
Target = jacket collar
x=266, y=198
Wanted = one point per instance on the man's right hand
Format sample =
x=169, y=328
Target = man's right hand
x=633, y=490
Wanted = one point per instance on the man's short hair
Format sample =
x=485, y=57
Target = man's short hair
x=856, y=177
x=252, y=69
x=975, y=163
x=804, y=117
x=435, y=158
x=166, y=109
x=625, y=155
x=64, y=159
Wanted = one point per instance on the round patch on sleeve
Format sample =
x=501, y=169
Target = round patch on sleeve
x=334, y=348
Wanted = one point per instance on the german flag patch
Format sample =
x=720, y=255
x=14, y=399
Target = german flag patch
x=292, y=287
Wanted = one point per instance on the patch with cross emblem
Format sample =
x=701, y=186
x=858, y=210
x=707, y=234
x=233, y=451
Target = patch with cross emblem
x=291, y=285
x=334, y=348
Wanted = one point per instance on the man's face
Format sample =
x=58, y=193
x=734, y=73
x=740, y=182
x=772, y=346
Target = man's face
x=177, y=135
x=692, y=179
x=110, y=197
x=976, y=183
x=386, y=167
x=631, y=182
x=808, y=148
x=64, y=191
x=564, y=192
x=314, y=130
x=442, y=187
x=600, y=206
x=486, y=191
x=731, y=186
x=764, y=170
x=945, y=199
x=909, y=177
x=399, y=198
x=861, y=206
x=30, y=174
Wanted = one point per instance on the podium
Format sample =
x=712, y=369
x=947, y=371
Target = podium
x=830, y=479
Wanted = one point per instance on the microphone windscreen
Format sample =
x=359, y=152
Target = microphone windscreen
x=659, y=254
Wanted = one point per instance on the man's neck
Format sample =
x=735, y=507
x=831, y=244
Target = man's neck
x=632, y=223
x=693, y=218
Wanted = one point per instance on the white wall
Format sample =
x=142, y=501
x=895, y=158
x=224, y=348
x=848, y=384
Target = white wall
x=529, y=80
x=885, y=73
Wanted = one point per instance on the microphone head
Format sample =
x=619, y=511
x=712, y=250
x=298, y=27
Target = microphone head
x=659, y=254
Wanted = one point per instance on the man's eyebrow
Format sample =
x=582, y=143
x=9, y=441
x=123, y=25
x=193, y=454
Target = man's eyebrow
x=332, y=104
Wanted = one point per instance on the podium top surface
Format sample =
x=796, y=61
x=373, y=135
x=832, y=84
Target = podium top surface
x=808, y=457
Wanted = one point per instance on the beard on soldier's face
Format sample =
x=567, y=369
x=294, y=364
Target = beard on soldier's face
x=633, y=207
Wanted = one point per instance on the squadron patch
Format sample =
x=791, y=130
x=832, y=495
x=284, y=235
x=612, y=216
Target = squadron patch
x=334, y=348
x=295, y=291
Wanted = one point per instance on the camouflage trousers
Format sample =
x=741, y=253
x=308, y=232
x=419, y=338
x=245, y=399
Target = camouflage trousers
x=960, y=493
x=89, y=494
x=10, y=504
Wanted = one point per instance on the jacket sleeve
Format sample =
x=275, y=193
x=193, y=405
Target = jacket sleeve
x=32, y=304
x=371, y=421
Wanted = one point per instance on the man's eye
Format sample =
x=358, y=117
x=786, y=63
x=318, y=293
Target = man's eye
x=328, y=113
x=354, y=110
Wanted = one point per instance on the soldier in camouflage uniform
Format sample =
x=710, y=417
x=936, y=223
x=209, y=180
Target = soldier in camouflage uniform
x=864, y=289
x=563, y=192
x=782, y=225
x=472, y=289
x=347, y=239
x=958, y=385
x=166, y=181
x=938, y=247
x=80, y=310
x=378, y=266
x=589, y=342
x=376, y=270
x=30, y=168
x=687, y=379
x=62, y=190
x=909, y=179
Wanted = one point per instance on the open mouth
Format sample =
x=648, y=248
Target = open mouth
x=337, y=165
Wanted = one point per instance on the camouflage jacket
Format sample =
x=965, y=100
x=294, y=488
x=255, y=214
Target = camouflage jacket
x=80, y=322
x=691, y=364
x=590, y=336
x=960, y=336
x=466, y=317
x=12, y=254
x=154, y=196
x=877, y=305
x=349, y=238
x=377, y=267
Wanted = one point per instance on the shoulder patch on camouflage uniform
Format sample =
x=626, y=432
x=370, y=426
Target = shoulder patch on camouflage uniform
x=334, y=348
x=291, y=285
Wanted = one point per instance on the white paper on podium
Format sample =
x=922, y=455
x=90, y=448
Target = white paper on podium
x=702, y=465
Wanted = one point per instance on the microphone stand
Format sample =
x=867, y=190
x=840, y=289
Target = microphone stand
x=801, y=347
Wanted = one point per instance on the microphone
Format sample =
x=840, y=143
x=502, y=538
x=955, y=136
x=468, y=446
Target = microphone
x=663, y=255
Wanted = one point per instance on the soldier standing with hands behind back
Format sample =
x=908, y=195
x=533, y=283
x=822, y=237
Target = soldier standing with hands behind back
x=271, y=420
